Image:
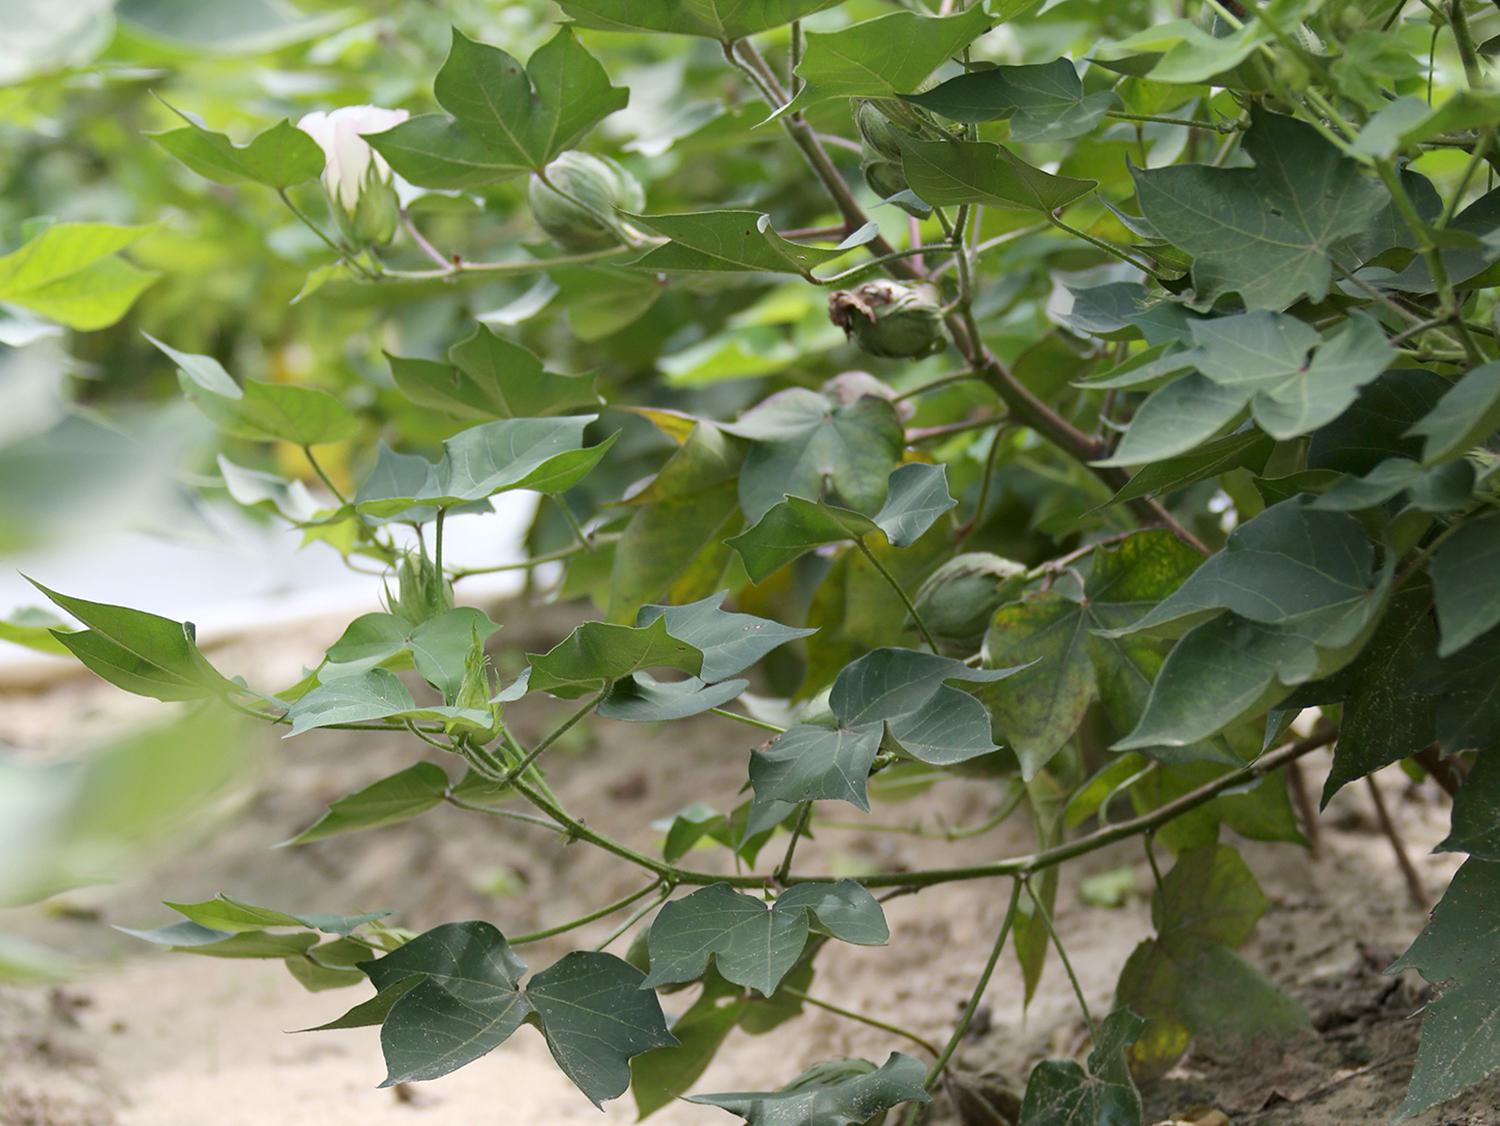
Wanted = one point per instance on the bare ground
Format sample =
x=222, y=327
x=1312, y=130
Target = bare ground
x=153, y=1039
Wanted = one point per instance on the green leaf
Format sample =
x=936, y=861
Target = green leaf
x=1247, y=448
x=885, y=56
x=1467, y=688
x=1267, y=233
x=1231, y=668
x=673, y=546
x=397, y=798
x=1039, y=708
x=730, y=643
x=1187, y=981
x=661, y=1076
x=139, y=652
x=897, y=691
x=439, y=646
x=597, y=1014
x=1456, y=951
x=192, y=938
x=1177, y=419
x=1061, y=1093
x=731, y=241
x=811, y=763
x=805, y=445
x=1377, y=426
x=545, y=455
x=750, y=943
x=364, y=697
x=34, y=628
x=917, y=496
x=503, y=120
x=1476, y=811
x=1286, y=562
x=1463, y=574
x=71, y=273
x=597, y=653
x=1265, y=356
x=466, y=1001
x=1467, y=413
x=1469, y=249
x=724, y=20
x=280, y=157
x=1043, y=101
x=1384, y=720
x=231, y=915
x=949, y=172
x=1179, y=51
x=847, y=1101
x=487, y=377
x=640, y=698
x=1406, y=122
x=260, y=412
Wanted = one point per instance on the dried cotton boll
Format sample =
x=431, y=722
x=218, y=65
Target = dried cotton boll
x=890, y=319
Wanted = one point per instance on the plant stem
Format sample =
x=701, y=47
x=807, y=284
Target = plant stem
x=849, y=1014
x=975, y=997
x=1414, y=889
x=636, y=916
x=524, y=266
x=283, y=720
x=557, y=733
x=1062, y=954
x=749, y=720
x=578, y=532
x=900, y=592
x=882, y=260
x=505, y=814
x=1450, y=308
x=1458, y=21
x=437, y=544
x=938, y=384
x=1108, y=248
x=322, y=476
x=967, y=528
x=536, y=560
x=584, y=920
x=1187, y=122
x=784, y=869
x=306, y=221
x=447, y=264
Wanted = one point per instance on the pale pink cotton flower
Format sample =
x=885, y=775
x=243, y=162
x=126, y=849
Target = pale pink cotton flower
x=348, y=156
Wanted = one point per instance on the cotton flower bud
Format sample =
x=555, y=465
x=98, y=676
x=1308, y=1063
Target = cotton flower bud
x=421, y=592
x=596, y=181
x=891, y=319
x=356, y=177
x=958, y=599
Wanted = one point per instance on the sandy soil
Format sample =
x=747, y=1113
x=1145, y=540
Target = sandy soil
x=169, y=1040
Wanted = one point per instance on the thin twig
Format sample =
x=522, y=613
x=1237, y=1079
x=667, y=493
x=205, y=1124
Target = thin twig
x=894, y=584
x=1414, y=888
x=940, y=1064
x=584, y=920
x=849, y=1014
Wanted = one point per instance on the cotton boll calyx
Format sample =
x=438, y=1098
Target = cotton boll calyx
x=597, y=182
x=958, y=599
x=890, y=319
x=355, y=176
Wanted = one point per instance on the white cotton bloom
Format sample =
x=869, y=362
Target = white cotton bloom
x=349, y=159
